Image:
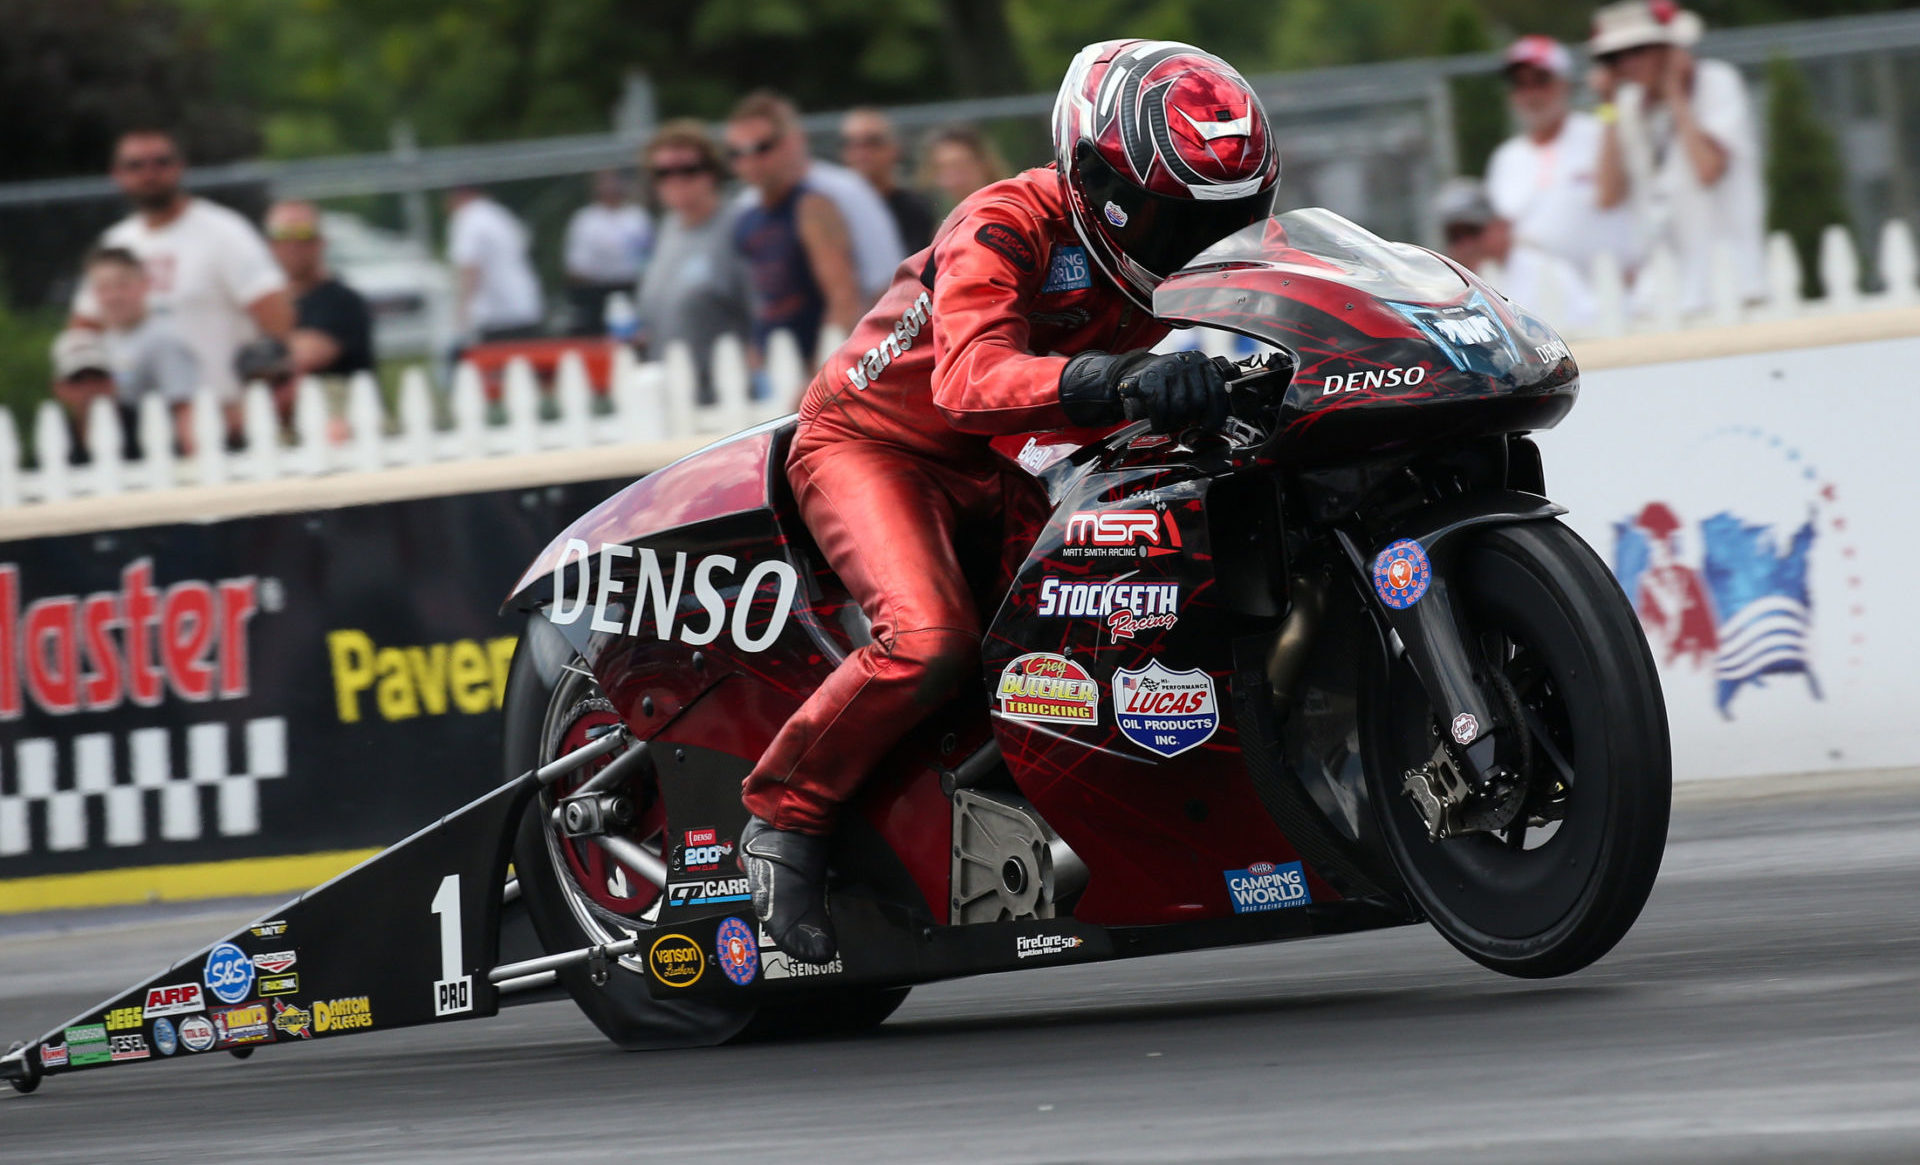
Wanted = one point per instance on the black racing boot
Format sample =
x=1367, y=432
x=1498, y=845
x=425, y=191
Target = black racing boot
x=788, y=874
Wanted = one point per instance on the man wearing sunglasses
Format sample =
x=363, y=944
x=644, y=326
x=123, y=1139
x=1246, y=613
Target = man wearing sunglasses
x=695, y=288
x=1543, y=180
x=210, y=273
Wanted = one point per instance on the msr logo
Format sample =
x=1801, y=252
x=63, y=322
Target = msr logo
x=1120, y=533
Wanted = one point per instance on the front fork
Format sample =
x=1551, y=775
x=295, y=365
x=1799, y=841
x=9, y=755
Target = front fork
x=1415, y=600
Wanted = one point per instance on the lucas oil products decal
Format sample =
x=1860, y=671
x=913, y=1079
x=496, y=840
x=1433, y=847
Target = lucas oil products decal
x=1264, y=886
x=1165, y=712
x=1401, y=573
x=1048, y=688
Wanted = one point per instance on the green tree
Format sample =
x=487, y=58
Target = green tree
x=1804, y=177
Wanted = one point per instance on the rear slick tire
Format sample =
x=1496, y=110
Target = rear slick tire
x=1573, y=651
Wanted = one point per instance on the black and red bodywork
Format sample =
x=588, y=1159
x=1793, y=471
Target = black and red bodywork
x=1156, y=833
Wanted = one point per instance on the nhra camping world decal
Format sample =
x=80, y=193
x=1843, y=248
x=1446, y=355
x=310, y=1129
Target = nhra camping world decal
x=1401, y=573
x=1008, y=242
x=1165, y=712
x=1120, y=534
x=1050, y=689
x=1124, y=605
x=676, y=960
x=1264, y=886
x=654, y=591
x=738, y=951
x=1067, y=271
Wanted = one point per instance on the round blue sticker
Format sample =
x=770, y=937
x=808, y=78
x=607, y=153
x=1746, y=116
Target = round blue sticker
x=229, y=973
x=739, y=951
x=163, y=1037
x=1401, y=574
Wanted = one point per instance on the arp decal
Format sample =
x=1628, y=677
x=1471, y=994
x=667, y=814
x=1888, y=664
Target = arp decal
x=229, y=973
x=1049, y=689
x=1264, y=886
x=738, y=951
x=174, y=999
x=676, y=960
x=1165, y=712
x=1401, y=574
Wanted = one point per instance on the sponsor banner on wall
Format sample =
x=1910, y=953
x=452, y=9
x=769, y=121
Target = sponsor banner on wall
x=1762, y=525
x=282, y=684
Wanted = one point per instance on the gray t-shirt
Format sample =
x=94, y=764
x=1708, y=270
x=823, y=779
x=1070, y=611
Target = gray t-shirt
x=695, y=289
x=151, y=357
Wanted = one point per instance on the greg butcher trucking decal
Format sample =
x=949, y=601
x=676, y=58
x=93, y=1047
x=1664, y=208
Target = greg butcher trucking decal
x=1050, y=689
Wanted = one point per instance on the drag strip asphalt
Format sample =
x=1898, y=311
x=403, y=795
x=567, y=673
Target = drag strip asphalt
x=1766, y=1008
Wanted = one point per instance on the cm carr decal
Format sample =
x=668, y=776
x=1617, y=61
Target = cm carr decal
x=1165, y=712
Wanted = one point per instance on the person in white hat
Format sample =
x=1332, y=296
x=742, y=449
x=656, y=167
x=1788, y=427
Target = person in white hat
x=1680, y=147
x=1544, y=179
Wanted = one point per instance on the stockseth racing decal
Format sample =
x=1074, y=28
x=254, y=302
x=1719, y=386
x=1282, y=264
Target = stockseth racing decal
x=711, y=892
x=1125, y=606
x=1165, y=712
x=1401, y=574
x=654, y=592
x=1264, y=886
x=1050, y=689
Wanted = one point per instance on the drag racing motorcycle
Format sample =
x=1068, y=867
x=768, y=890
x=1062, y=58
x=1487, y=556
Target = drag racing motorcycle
x=1332, y=667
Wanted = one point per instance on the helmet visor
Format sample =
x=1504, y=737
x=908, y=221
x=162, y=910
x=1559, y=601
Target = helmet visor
x=1159, y=233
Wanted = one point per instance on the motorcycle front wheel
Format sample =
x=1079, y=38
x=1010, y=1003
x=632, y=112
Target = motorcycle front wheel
x=1557, y=639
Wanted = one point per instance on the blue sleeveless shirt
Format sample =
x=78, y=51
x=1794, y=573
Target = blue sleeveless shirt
x=785, y=294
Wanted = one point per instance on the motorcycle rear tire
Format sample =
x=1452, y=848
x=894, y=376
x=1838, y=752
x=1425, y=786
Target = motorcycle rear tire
x=1553, y=909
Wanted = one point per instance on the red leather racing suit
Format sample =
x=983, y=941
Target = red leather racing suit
x=892, y=456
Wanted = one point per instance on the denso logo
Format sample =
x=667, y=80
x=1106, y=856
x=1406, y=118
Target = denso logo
x=652, y=591
x=70, y=653
x=1372, y=380
x=868, y=368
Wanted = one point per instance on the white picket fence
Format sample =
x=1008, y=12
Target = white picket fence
x=655, y=400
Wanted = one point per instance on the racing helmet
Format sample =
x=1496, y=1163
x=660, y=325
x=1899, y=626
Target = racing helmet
x=1163, y=150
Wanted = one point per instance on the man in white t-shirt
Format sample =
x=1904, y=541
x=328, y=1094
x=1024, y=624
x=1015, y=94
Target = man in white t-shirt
x=209, y=272
x=1680, y=148
x=1480, y=239
x=1543, y=179
x=499, y=296
x=608, y=242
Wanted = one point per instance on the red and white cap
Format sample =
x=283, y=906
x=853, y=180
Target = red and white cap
x=1542, y=52
x=1163, y=150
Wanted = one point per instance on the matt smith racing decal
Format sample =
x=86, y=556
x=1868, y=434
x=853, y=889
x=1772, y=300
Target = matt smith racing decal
x=654, y=592
x=868, y=368
x=1165, y=712
x=1264, y=886
x=1120, y=534
x=1126, y=607
x=1401, y=573
x=1050, y=689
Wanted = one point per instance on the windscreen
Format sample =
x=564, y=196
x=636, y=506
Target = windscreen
x=1315, y=241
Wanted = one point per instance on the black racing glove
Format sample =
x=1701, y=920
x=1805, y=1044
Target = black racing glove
x=1171, y=392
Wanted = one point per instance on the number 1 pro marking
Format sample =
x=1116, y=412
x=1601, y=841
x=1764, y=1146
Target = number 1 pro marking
x=454, y=992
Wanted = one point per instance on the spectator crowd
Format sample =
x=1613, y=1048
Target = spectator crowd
x=747, y=233
x=1669, y=158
